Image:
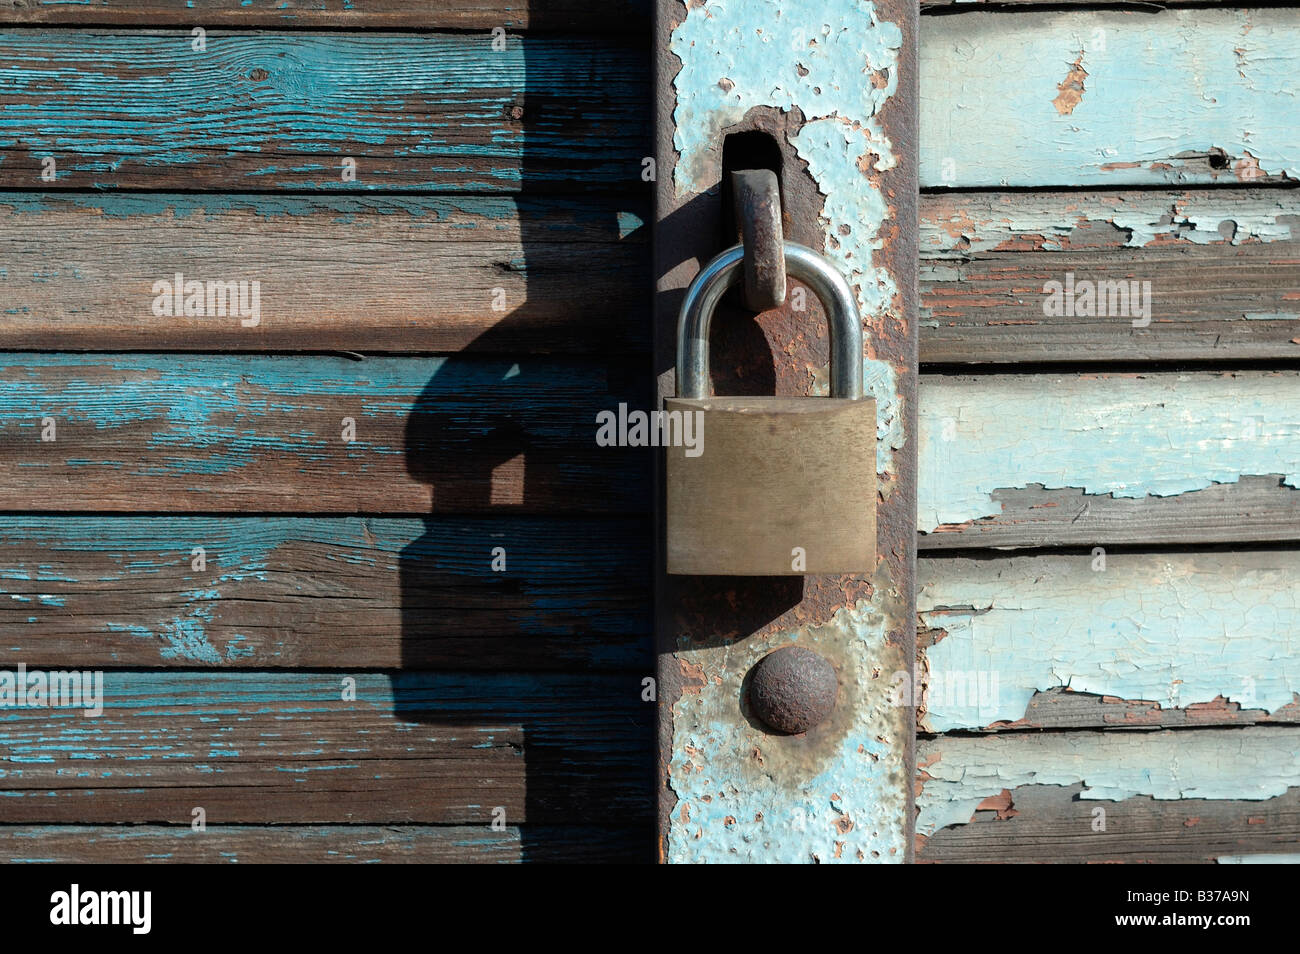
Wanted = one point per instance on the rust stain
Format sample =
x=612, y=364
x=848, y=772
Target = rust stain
x=693, y=678
x=1000, y=803
x=1070, y=90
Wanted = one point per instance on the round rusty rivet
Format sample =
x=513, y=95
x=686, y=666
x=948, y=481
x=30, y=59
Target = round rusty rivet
x=792, y=689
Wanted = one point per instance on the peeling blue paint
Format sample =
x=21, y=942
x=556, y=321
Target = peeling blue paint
x=747, y=795
x=1252, y=763
x=1175, y=629
x=1158, y=89
x=1126, y=435
x=744, y=794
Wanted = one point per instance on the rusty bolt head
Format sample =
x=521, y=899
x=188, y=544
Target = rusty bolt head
x=792, y=689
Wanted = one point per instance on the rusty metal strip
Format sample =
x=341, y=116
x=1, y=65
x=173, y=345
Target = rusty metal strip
x=834, y=83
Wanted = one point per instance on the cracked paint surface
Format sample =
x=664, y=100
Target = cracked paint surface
x=1124, y=435
x=1174, y=629
x=839, y=793
x=959, y=772
x=1162, y=92
x=838, y=63
x=957, y=227
x=835, y=793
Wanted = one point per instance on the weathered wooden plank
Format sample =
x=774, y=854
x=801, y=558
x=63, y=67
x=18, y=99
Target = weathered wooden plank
x=1066, y=709
x=240, y=434
x=1051, y=824
x=442, y=112
x=1251, y=764
x=1109, y=98
x=1251, y=509
x=345, y=593
x=369, y=273
x=291, y=748
x=317, y=104
x=333, y=844
x=1151, y=457
x=1221, y=269
x=1141, y=639
x=426, y=273
x=1053, y=460
x=955, y=6
x=618, y=16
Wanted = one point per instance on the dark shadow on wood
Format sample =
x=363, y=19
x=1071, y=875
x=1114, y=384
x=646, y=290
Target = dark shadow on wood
x=501, y=459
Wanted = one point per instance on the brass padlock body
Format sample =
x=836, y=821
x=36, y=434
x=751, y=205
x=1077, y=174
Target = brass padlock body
x=771, y=486
x=782, y=487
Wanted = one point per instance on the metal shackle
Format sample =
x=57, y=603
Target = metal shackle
x=813, y=269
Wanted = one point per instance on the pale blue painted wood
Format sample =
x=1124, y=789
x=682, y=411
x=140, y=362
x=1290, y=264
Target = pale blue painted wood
x=1254, y=763
x=1172, y=628
x=1129, y=435
x=1159, y=88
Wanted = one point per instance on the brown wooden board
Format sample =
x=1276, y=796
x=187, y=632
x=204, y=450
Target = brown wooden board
x=324, y=844
x=1063, y=709
x=294, y=748
x=364, y=273
x=231, y=433
x=494, y=593
x=1217, y=272
x=484, y=273
x=619, y=16
x=1254, y=508
x=1050, y=824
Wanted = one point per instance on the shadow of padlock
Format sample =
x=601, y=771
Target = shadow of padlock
x=773, y=486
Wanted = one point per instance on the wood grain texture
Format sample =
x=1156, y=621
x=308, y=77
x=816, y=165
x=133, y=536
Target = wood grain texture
x=445, y=112
x=408, y=273
x=1117, y=639
x=619, y=16
x=373, y=274
x=324, y=844
x=1223, y=267
x=1065, y=709
x=1047, y=824
x=1250, y=509
x=1108, y=98
x=289, y=749
x=240, y=434
x=1050, y=460
x=954, y=6
x=1152, y=457
x=325, y=593
x=440, y=112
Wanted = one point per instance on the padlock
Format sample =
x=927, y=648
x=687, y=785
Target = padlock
x=772, y=486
